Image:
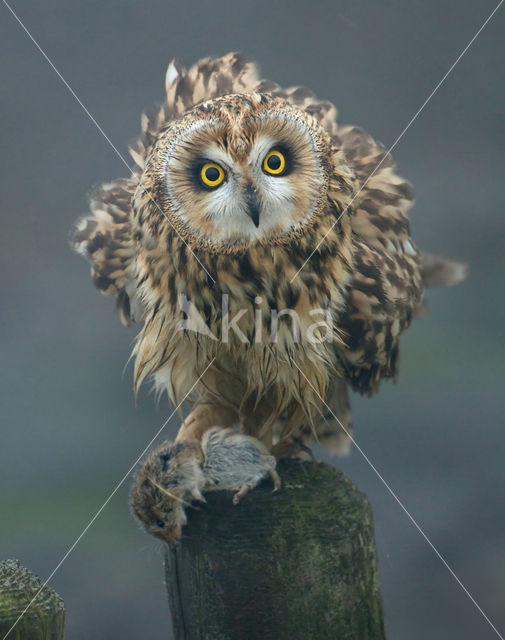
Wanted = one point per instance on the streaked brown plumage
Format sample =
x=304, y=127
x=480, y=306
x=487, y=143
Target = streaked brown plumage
x=161, y=234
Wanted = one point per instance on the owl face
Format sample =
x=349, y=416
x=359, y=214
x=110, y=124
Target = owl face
x=241, y=169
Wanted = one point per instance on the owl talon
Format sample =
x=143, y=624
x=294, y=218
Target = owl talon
x=303, y=447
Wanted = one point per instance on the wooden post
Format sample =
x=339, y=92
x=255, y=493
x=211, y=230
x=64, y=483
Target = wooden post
x=45, y=618
x=300, y=564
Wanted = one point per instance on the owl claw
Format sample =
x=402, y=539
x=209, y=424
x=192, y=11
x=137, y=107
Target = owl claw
x=303, y=447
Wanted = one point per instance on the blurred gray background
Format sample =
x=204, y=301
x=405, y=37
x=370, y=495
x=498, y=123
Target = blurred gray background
x=70, y=428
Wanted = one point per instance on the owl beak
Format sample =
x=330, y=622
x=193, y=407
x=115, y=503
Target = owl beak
x=253, y=209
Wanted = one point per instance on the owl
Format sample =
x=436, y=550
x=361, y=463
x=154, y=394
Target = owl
x=264, y=252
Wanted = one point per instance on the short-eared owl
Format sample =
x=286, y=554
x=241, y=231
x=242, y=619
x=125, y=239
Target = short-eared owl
x=265, y=278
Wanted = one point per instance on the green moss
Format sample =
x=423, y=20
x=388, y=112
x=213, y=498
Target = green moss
x=45, y=617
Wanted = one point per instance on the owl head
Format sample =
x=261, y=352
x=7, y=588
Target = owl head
x=242, y=169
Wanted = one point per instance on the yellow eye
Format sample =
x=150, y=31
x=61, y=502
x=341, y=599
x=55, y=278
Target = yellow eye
x=274, y=163
x=211, y=174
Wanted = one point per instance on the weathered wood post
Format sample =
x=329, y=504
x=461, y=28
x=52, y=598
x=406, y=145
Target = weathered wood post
x=44, y=620
x=300, y=564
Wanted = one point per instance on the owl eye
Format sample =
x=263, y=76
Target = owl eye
x=160, y=523
x=274, y=163
x=211, y=174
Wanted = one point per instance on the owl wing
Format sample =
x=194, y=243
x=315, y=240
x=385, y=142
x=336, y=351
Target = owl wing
x=386, y=286
x=389, y=272
x=105, y=239
x=384, y=294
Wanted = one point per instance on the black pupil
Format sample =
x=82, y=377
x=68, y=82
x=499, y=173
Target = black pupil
x=274, y=162
x=212, y=174
x=160, y=523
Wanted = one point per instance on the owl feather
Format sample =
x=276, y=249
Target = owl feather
x=345, y=245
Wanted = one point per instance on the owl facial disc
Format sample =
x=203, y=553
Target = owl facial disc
x=241, y=169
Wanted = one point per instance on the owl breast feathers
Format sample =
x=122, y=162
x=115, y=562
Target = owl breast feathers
x=250, y=211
